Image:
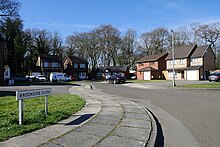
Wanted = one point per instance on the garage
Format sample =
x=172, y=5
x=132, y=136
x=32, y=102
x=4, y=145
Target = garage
x=192, y=75
x=147, y=75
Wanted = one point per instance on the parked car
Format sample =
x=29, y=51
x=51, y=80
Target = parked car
x=19, y=79
x=214, y=77
x=55, y=77
x=116, y=79
x=41, y=78
x=31, y=78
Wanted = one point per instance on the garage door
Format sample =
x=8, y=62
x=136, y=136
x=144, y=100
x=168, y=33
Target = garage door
x=147, y=75
x=192, y=75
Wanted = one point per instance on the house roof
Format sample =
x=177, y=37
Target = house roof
x=182, y=51
x=75, y=59
x=148, y=58
x=147, y=69
x=113, y=68
x=200, y=51
x=50, y=58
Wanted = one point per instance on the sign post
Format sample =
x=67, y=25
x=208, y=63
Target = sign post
x=27, y=94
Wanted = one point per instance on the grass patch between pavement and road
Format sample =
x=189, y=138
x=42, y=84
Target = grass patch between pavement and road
x=59, y=106
x=204, y=85
x=145, y=81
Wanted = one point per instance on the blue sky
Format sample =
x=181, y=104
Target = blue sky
x=69, y=16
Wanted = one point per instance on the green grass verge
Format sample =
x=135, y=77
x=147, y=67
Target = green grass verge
x=145, y=81
x=60, y=107
x=206, y=85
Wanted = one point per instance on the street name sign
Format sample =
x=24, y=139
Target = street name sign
x=27, y=94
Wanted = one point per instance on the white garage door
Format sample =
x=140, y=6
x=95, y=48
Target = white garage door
x=192, y=75
x=147, y=75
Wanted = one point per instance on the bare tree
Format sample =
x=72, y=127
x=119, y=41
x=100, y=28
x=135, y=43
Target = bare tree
x=210, y=33
x=9, y=8
x=128, y=46
x=155, y=41
x=110, y=38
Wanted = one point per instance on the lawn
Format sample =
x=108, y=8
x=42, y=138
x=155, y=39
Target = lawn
x=206, y=85
x=60, y=107
x=145, y=81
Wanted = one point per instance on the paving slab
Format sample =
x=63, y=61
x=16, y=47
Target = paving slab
x=116, y=141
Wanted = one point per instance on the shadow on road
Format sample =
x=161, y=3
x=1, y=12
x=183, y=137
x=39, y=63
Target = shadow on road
x=159, y=138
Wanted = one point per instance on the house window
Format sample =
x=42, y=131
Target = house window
x=75, y=65
x=82, y=75
x=181, y=61
x=55, y=64
x=171, y=74
x=194, y=59
x=171, y=62
x=46, y=64
x=82, y=65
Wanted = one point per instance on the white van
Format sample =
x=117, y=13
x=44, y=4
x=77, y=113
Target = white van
x=55, y=77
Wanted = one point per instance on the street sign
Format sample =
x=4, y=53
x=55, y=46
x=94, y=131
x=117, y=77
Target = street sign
x=27, y=94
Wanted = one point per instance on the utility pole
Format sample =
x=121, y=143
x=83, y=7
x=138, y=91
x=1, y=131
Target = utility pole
x=173, y=58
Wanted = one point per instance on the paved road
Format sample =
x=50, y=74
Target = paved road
x=197, y=110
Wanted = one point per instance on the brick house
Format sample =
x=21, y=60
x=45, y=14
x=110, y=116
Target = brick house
x=47, y=64
x=191, y=62
x=76, y=67
x=151, y=66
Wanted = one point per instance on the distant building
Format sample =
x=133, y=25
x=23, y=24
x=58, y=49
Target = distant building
x=76, y=67
x=151, y=66
x=191, y=62
x=46, y=64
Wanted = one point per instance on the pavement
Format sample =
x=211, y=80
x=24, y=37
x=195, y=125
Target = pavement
x=106, y=120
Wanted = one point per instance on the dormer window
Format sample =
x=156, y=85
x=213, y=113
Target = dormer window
x=82, y=65
x=55, y=64
x=46, y=64
x=75, y=65
x=194, y=60
x=181, y=61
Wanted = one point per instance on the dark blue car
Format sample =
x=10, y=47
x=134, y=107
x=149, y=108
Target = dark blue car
x=116, y=79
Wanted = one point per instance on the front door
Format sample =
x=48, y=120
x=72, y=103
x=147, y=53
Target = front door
x=182, y=74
